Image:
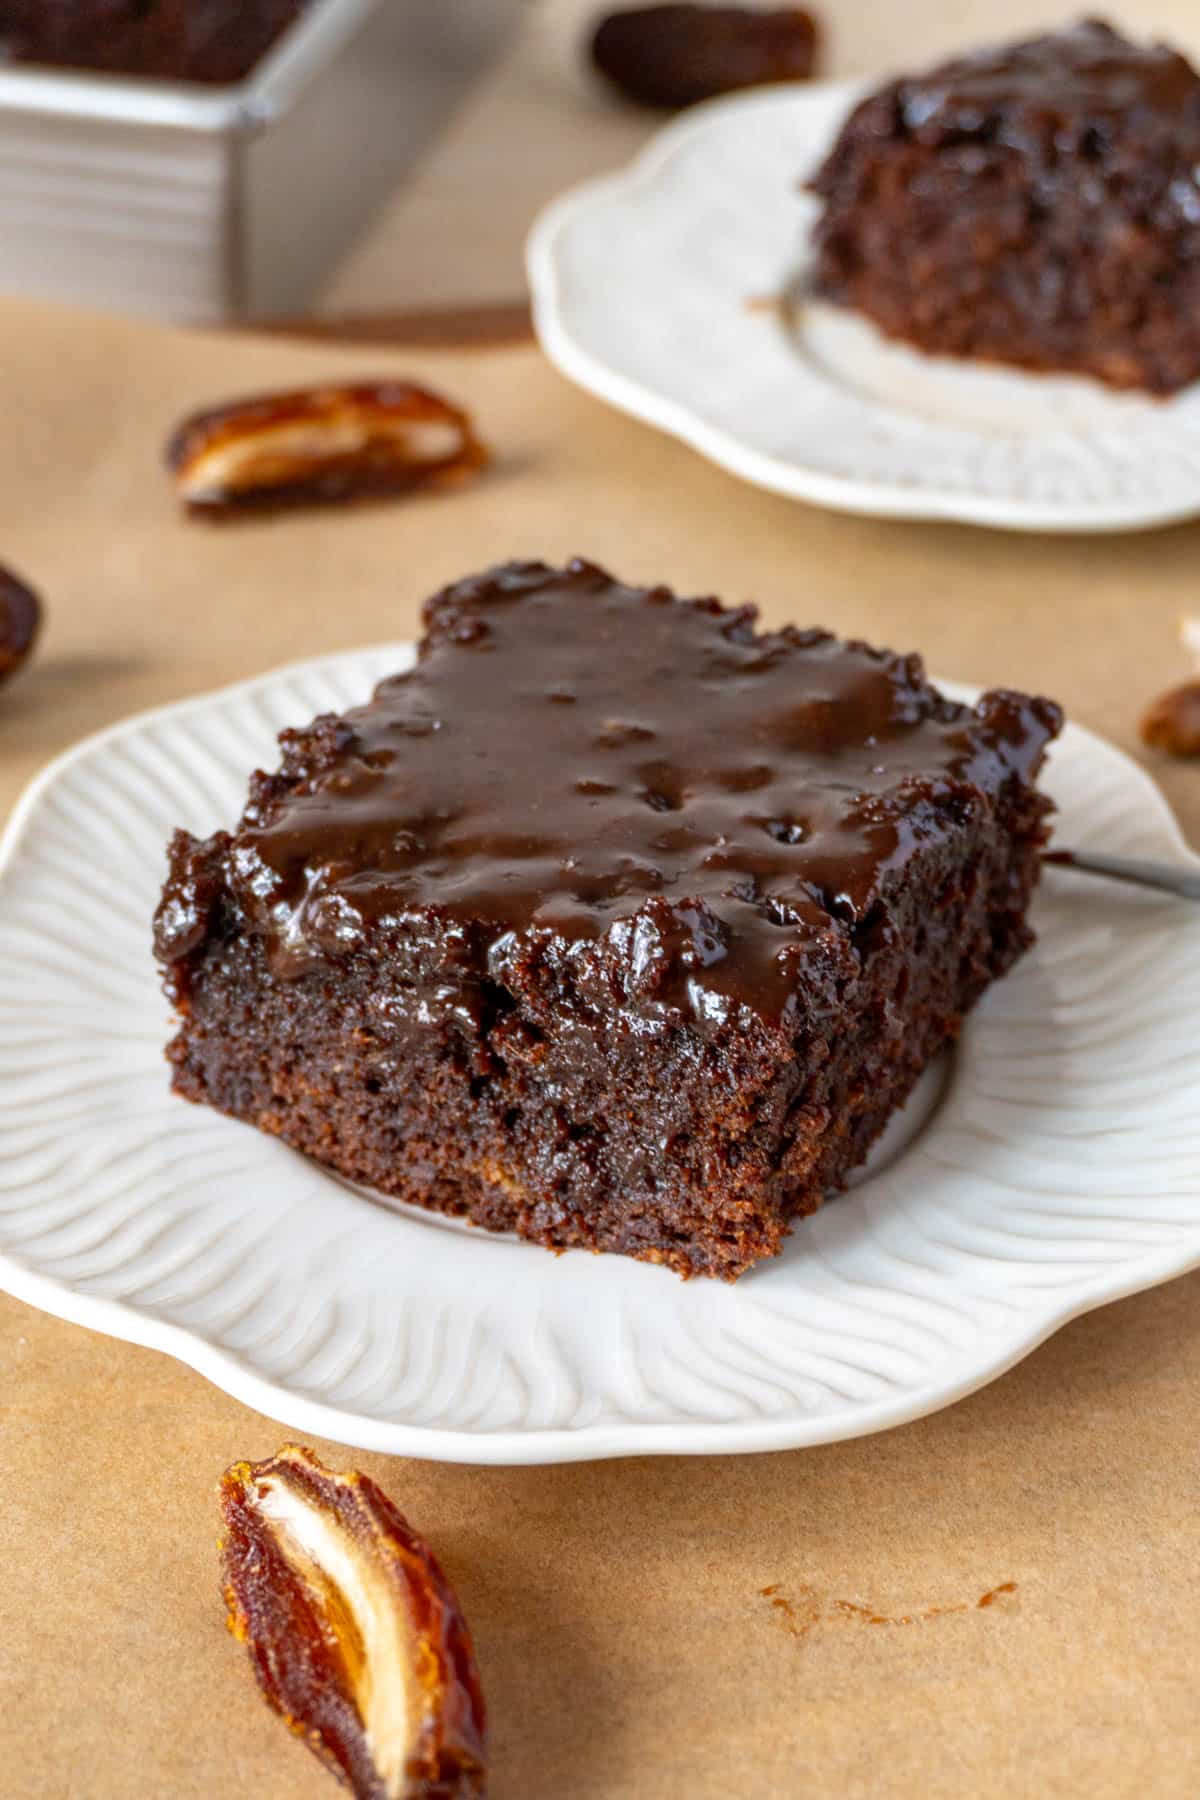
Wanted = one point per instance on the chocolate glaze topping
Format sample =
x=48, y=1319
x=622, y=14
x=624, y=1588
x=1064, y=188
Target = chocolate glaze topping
x=599, y=762
x=1083, y=79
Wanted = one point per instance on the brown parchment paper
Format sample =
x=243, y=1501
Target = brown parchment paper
x=627, y=1646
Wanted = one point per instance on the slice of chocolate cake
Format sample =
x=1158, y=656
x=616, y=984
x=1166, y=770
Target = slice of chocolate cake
x=1036, y=205
x=614, y=923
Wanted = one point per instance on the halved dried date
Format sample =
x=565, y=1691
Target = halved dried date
x=672, y=56
x=319, y=445
x=20, y=622
x=355, y=1634
x=1172, y=722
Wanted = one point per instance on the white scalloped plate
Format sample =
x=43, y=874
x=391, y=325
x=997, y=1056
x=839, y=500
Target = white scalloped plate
x=648, y=290
x=1058, y=1168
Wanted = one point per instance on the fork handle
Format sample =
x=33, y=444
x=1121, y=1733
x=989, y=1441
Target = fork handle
x=1167, y=878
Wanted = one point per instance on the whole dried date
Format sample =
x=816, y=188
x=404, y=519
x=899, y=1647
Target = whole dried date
x=20, y=622
x=672, y=56
x=354, y=1632
x=319, y=445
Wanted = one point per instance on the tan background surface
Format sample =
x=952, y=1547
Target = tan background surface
x=626, y=1645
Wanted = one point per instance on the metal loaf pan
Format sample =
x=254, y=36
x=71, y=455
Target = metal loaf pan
x=208, y=204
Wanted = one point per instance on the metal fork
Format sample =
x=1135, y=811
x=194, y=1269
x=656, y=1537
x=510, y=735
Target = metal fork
x=1167, y=878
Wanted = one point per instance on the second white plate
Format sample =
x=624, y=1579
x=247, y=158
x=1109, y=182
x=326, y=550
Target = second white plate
x=653, y=288
x=1056, y=1168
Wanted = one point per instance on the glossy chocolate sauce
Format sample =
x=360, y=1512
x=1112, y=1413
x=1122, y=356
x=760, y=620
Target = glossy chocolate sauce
x=595, y=762
x=1088, y=75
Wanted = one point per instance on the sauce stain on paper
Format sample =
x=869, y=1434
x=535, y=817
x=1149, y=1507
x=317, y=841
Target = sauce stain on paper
x=996, y=1593
x=800, y=1612
x=796, y=1616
